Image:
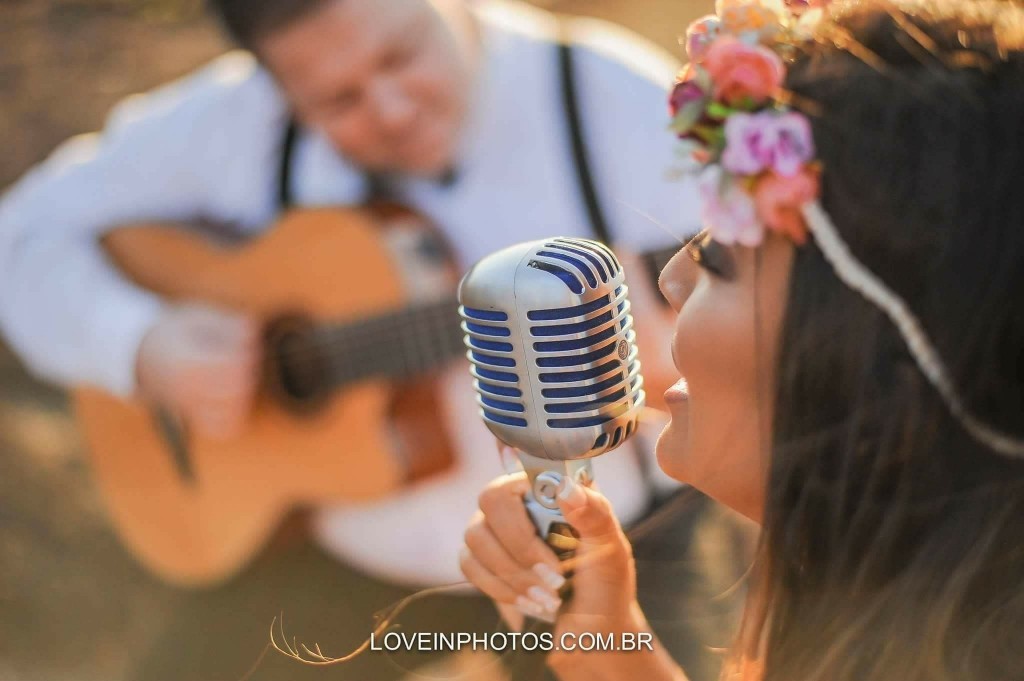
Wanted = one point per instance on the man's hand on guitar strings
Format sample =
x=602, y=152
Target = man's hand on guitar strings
x=202, y=363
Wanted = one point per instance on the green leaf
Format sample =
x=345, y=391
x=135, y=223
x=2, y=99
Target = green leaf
x=719, y=110
x=687, y=117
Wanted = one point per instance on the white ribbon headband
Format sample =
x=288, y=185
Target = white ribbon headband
x=859, y=278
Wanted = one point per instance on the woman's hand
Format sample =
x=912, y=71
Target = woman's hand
x=506, y=559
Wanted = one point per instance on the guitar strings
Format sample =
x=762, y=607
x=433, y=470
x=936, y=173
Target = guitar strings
x=435, y=325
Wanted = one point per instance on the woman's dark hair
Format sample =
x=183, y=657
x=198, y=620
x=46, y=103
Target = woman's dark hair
x=893, y=542
x=250, y=21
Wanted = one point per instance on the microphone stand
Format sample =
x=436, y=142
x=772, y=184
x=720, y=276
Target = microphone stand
x=541, y=502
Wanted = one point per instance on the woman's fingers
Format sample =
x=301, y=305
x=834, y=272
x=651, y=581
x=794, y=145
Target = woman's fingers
x=491, y=554
x=508, y=520
x=605, y=574
x=483, y=579
x=503, y=555
x=589, y=512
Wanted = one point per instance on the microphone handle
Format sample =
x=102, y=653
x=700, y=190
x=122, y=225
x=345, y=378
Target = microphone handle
x=523, y=665
x=542, y=506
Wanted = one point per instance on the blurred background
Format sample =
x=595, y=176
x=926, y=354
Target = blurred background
x=73, y=604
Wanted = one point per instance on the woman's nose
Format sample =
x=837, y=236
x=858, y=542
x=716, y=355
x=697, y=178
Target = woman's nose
x=678, y=279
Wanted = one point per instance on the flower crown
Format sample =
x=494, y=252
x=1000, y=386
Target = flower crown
x=728, y=107
x=756, y=156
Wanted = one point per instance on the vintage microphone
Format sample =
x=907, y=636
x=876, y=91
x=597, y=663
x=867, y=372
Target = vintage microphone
x=554, y=363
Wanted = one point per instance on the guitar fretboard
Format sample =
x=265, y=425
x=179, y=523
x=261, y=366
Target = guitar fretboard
x=412, y=341
x=399, y=345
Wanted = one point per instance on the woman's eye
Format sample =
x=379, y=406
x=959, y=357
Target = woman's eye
x=711, y=256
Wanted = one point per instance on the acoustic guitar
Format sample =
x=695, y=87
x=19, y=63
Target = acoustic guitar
x=360, y=316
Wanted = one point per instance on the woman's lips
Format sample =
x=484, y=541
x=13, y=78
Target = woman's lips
x=679, y=392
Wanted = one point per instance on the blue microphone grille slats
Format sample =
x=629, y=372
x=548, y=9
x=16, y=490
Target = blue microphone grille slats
x=578, y=263
x=482, y=344
x=566, y=312
x=597, y=249
x=577, y=344
x=492, y=360
x=620, y=434
x=601, y=266
x=486, y=315
x=575, y=407
x=568, y=278
x=576, y=360
x=581, y=390
x=594, y=384
x=499, y=331
x=493, y=366
x=575, y=328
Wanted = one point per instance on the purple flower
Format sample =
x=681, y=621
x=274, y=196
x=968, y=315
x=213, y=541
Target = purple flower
x=685, y=92
x=767, y=140
x=687, y=104
x=728, y=212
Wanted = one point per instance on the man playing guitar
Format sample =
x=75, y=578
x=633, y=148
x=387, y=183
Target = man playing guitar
x=472, y=113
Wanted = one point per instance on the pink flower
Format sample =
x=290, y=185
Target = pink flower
x=767, y=141
x=728, y=212
x=778, y=200
x=743, y=72
x=699, y=37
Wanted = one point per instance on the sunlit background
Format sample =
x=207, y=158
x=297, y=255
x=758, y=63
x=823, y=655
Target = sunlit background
x=73, y=605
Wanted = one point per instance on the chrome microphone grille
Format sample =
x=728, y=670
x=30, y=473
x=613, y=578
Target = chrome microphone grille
x=552, y=347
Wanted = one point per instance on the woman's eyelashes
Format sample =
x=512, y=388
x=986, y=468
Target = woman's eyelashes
x=711, y=256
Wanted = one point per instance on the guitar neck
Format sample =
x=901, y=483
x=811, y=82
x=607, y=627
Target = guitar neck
x=397, y=346
x=413, y=341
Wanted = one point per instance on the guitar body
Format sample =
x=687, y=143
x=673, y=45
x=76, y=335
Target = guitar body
x=194, y=510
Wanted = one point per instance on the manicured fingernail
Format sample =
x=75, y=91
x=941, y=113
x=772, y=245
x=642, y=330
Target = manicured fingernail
x=544, y=599
x=529, y=607
x=549, y=575
x=548, y=616
x=571, y=493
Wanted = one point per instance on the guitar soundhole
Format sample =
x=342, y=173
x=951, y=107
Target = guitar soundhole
x=298, y=370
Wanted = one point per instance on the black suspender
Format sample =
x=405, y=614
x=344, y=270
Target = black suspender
x=285, y=194
x=581, y=159
x=598, y=222
x=376, y=185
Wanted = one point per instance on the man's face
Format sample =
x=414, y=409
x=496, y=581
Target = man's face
x=388, y=81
